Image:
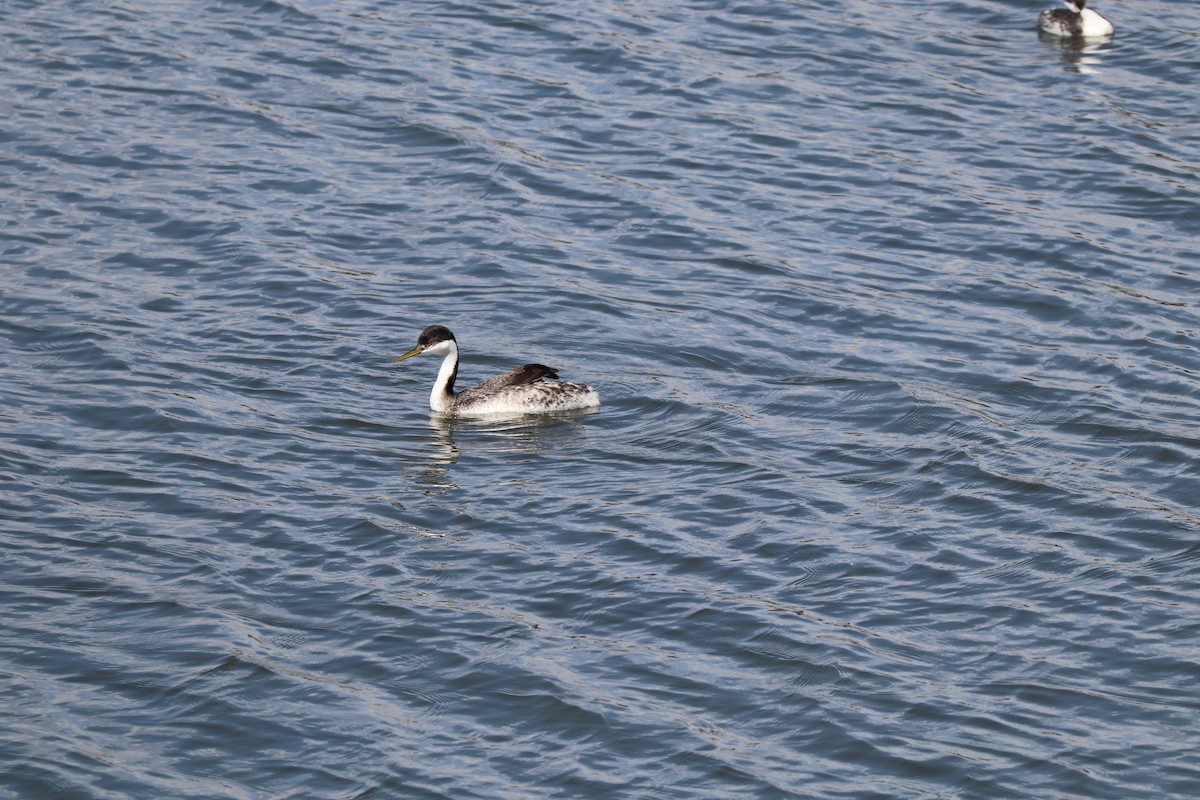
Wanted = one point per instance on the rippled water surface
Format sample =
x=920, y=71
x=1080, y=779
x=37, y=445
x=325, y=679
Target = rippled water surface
x=892, y=305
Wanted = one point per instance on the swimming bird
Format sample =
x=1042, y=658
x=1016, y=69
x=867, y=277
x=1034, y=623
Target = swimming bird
x=523, y=390
x=1078, y=22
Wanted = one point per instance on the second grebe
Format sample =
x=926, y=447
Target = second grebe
x=1078, y=22
x=519, y=391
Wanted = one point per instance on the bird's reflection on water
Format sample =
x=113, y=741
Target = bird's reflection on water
x=520, y=434
x=515, y=433
x=1082, y=55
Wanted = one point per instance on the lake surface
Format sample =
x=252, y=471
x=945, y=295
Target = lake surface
x=894, y=491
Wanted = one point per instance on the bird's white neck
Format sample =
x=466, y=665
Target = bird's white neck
x=1094, y=24
x=443, y=387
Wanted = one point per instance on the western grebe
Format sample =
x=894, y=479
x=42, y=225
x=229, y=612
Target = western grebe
x=518, y=391
x=1078, y=22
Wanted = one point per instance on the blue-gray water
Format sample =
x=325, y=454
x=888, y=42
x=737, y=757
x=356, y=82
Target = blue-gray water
x=893, y=307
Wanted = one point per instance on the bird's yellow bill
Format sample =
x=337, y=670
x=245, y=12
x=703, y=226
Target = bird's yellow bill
x=416, y=351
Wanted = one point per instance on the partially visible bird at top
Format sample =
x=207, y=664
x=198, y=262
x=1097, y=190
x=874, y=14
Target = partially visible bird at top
x=1077, y=22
